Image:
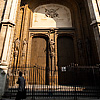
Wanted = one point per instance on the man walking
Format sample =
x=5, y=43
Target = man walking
x=21, y=90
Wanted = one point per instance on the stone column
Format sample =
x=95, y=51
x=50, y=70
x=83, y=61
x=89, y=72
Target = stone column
x=6, y=45
x=53, y=58
x=25, y=35
x=13, y=11
x=98, y=1
x=7, y=10
x=96, y=10
x=95, y=18
x=7, y=29
x=56, y=59
x=2, y=37
x=29, y=48
x=6, y=35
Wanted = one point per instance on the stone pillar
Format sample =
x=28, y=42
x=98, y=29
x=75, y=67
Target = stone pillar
x=6, y=45
x=53, y=58
x=56, y=59
x=95, y=18
x=7, y=10
x=7, y=29
x=98, y=1
x=25, y=36
x=2, y=37
x=13, y=11
x=29, y=49
x=96, y=10
x=6, y=37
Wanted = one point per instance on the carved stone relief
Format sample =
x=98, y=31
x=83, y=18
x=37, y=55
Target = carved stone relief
x=52, y=15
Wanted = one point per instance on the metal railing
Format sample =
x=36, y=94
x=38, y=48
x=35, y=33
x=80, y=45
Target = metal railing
x=71, y=82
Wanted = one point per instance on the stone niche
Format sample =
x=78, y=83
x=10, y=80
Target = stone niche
x=51, y=16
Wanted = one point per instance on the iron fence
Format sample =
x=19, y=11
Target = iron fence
x=71, y=82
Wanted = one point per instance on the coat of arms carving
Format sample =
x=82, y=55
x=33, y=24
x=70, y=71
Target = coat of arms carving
x=52, y=13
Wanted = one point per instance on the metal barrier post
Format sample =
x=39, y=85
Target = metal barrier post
x=75, y=91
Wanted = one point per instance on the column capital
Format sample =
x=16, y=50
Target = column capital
x=3, y=63
x=7, y=22
x=94, y=22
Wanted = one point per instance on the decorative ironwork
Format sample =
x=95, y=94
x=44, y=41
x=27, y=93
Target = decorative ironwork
x=36, y=87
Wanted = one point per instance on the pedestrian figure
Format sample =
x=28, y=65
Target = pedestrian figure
x=21, y=89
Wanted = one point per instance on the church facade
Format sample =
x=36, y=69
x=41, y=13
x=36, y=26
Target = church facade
x=49, y=34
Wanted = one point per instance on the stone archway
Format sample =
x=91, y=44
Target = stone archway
x=48, y=19
x=46, y=16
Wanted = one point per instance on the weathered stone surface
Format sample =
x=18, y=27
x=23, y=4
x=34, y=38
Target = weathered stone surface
x=19, y=21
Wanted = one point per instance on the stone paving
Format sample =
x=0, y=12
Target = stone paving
x=54, y=99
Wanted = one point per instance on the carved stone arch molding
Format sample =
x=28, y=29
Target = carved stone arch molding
x=39, y=34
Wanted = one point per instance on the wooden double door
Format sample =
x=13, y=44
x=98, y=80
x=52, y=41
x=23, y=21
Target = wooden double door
x=40, y=57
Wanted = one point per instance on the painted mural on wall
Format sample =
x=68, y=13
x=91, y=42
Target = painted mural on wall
x=52, y=15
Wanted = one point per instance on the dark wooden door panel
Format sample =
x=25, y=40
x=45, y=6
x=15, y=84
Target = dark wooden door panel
x=65, y=56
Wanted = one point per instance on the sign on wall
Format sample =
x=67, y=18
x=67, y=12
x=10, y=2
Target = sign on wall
x=52, y=15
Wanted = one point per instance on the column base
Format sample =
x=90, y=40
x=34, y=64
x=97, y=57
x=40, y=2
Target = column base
x=53, y=80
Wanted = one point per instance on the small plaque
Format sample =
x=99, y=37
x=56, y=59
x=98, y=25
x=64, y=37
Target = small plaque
x=63, y=69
